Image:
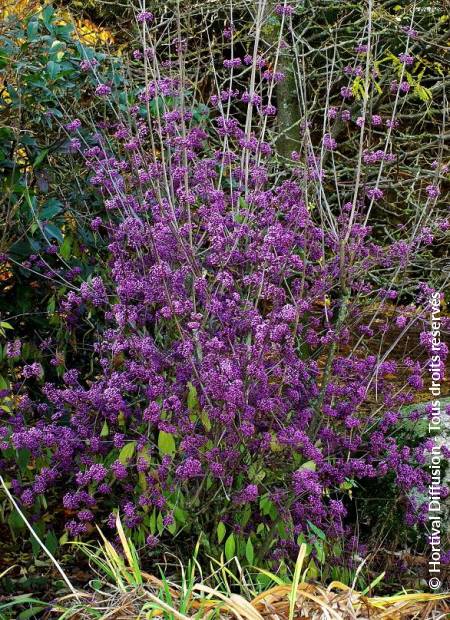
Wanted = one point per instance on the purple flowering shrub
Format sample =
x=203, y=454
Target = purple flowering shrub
x=239, y=389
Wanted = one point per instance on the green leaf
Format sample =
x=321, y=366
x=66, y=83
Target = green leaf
x=66, y=247
x=6, y=325
x=378, y=88
x=53, y=68
x=192, y=399
x=105, y=430
x=166, y=443
x=312, y=570
x=172, y=528
x=318, y=532
x=64, y=32
x=54, y=231
x=96, y=584
x=3, y=59
x=311, y=465
x=249, y=552
x=15, y=521
x=51, y=304
x=39, y=159
x=6, y=133
x=47, y=16
x=52, y=208
x=23, y=458
x=247, y=513
x=221, y=531
x=271, y=576
x=230, y=547
x=372, y=585
x=423, y=93
x=32, y=612
x=255, y=473
x=127, y=452
x=152, y=522
x=160, y=524
x=32, y=29
x=51, y=542
x=275, y=445
x=180, y=515
x=356, y=88
x=268, y=508
x=320, y=552
x=39, y=529
x=205, y=420
x=347, y=485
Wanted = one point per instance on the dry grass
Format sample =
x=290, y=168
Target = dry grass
x=311, y=602
x=129, y=593
x=121, y=590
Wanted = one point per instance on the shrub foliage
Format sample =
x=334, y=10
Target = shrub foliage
x=225, y=376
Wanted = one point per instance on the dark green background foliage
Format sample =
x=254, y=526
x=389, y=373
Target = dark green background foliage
x=45, y=199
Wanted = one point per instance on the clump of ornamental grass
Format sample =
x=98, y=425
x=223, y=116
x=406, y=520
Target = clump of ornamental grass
x=121, y=589
x=247, y=315
x=229, y=591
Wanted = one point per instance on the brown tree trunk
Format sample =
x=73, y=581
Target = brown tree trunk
x=288, y=116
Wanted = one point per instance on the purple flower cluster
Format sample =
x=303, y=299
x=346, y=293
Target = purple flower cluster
x=74, y=125
x=433, y=191
x=329, y=143
x=32, y=370
x=14, y=348
x=88, y=64
x=406, y=59
x=374, y=157
x=144, y=17
x=284, y=9
x=103, y=90
x=375, y=193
